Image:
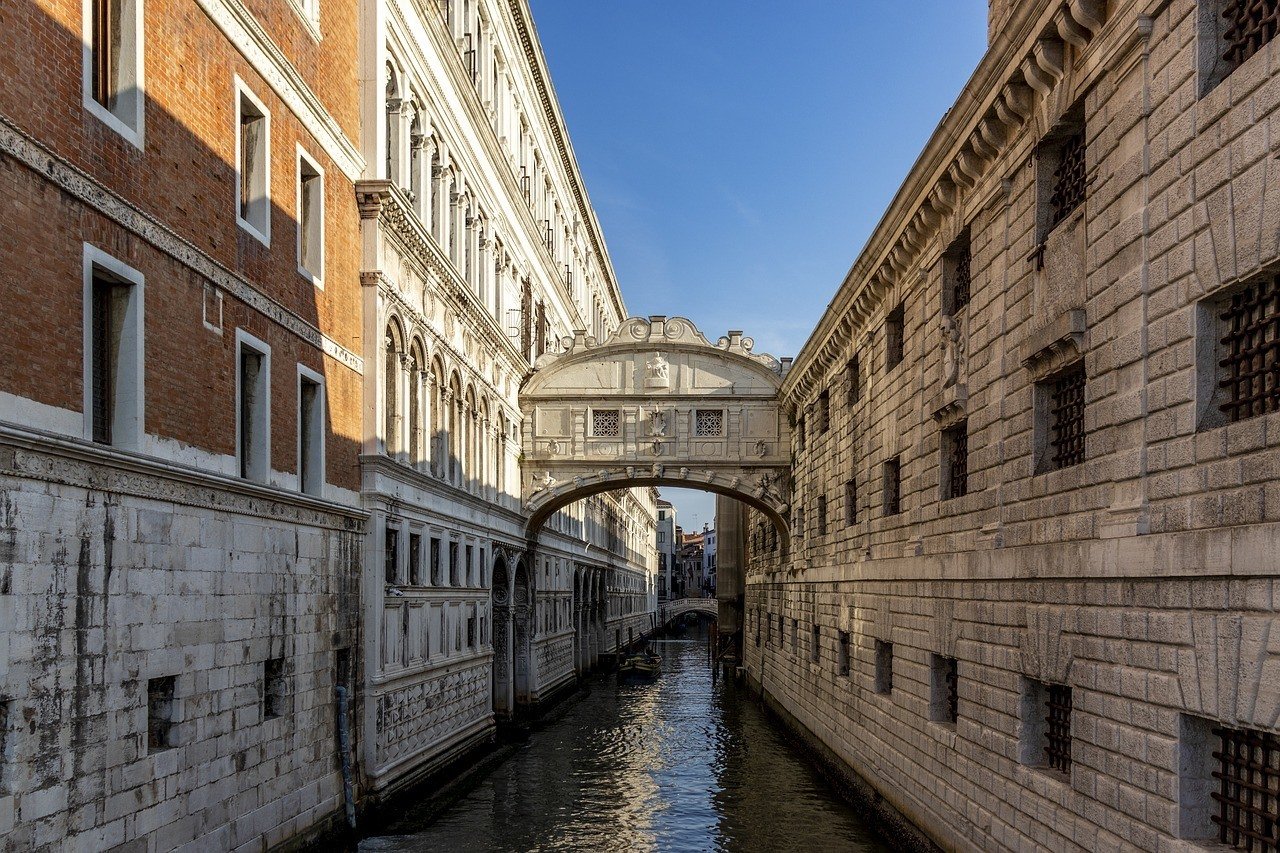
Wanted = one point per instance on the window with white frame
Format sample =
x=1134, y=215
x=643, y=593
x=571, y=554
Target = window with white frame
x=113, y=351
x=310, y=431
x=310, y=203
x=253, y=164
x=253, y=407
x=113, y=65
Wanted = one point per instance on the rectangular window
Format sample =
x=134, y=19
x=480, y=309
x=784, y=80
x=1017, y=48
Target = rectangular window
x=850, y=502
x=415, y=559
x=453, y=565
x=1231, y=33
x=274, y=693
x=253, y=165
x=161, y=713
x=113, y=330
x=392, y=553
x=471, y=631
x=956, y=275
x=894, y=337
x=795, y=635
x=757, y=626
x=944, y=696
x=1229, y=785
x=1046, y=725
x=468, y=566
x=955, y=461
x=1247, y=352
x=310, y=431
x=800, y=435
x=824, y=412
x=1061, y=179
x=822, y=515
x=708, y=422
x=436, y=575
x=253, y=399
x=769, y=636
x=853, y=380
x=815, y=644
x=842, y=663
x=884, y=667
x=310, y=203
x=113, y=65
x=605, y=423
x=1062, y=404
x=893, y=486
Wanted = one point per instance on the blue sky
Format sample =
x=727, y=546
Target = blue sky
x=739, y=154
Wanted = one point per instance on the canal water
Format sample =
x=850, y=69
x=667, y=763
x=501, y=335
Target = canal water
x=681, y=764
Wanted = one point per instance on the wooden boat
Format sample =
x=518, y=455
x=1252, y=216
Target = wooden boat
x=642, y=667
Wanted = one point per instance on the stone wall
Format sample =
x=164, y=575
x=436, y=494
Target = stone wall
x=1142, y=578
x=115, y=574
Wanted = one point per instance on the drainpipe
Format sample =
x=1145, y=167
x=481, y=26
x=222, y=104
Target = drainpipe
x=344, y=745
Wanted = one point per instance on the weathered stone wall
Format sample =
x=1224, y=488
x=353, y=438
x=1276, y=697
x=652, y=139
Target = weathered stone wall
x=113, y=572
x=1143, y=578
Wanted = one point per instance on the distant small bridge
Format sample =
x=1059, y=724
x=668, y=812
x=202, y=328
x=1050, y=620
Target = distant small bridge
x=678, y=607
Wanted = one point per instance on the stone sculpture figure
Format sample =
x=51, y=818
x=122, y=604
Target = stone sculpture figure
x=657, y=372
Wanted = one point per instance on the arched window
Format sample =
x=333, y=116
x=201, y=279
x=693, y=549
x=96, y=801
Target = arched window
x=439, y=421
x=417, y=379
x=455, y=435
x=391, y=384
x=470, y=471
x=500, y=455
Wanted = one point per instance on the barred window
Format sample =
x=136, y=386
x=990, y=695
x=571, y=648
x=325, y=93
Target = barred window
x=275, y=694
x=894, y=331
x=1249, y=26
x=1057, y=746
x=392, y=553
x=708, y=422
x=944, y=704
x=1068, y=179
x=842, y=662
x=957, y=275
x=955, y=461
x=824, y=412
x=852, y=379
x=1066, y=419
x=1248, y=796
x=1250, y=350
x=822, y=515
x=605, y=423
x=815, y=644
x=161, y=713
x=884, y=667
x=851, y=502
x=893, y=486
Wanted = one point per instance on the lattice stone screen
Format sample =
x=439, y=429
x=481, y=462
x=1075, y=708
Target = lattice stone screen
x=605, y=423
x=708, y=422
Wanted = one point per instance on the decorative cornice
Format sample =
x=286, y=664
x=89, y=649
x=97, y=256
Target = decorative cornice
x=88, y=190
x=246, y=34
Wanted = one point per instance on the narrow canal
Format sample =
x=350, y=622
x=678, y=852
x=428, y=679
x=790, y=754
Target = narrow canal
x=682, y=764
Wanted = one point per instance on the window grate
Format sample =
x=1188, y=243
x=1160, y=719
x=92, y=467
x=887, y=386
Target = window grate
x=1068, y=179
x=1251, y=24
x=960, y=286
x=1058, y=732
x=1067, y=411
x=709, y=423
x=892, y=487
x=958, y=460
x=605, y=423
x=1248, y=800
x=1252, y=346
x=951, y=679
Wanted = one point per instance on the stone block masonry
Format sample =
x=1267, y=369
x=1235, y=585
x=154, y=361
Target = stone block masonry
x=142, y=612
x=1035, y=419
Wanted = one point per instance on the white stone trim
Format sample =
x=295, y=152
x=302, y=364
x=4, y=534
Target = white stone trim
x=310, y=17
x=242, y=90
x=83, y=187
x=134, y=133
x=315, y=277
x=128, y=423
x=270, y=63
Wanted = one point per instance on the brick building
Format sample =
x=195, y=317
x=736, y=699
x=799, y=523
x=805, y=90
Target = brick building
x=1032, y=589
x=216, y=241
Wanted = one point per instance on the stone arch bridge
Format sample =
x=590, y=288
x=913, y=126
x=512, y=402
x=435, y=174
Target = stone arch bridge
x=678, y=607
x=655, y=404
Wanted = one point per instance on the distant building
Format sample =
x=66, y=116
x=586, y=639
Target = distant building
x=708, y=578
x=668, y=540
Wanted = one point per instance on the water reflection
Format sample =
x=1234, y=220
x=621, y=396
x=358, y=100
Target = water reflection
x=678, y=765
